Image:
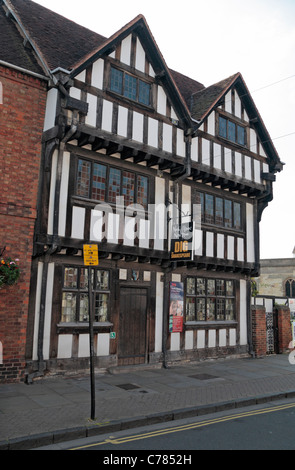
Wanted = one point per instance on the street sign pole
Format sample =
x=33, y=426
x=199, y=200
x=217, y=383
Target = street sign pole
x=91, y=259
x=91, y=342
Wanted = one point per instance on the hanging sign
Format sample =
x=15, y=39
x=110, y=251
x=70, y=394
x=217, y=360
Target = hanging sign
x=90, y=255
x=181, y=242
x=176, y=307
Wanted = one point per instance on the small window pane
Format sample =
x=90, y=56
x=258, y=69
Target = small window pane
x=102, y=280
x=229, y=309
x=190, y=309
x=219, y=211
x=130, y=87
x=144, y=93
x=209, y=209
x=128, y=187
x=237, y=216
x=83, y=178
x=71, y=278
x=142, y=191
x=210, y=309
x=220, y=287
x=84, y=278
x=84, y=308
x=114, y=185
x=220, y=309
x=201, y=287
x=222, y=127
x=211, y=287
x=190, y=286
x=200, y=200
x=241, y=135
x=201, y=310
x=229, y=288
x=116, y=81
x=228, y=216
x=68, y=310
x=101, y=307
x=99, y=182
x=231, y=131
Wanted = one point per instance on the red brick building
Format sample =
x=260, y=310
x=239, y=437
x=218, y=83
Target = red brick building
x=23, y=89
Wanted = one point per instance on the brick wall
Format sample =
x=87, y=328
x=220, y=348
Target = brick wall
x=258, y=330
x=21, y=125
x=284, y=327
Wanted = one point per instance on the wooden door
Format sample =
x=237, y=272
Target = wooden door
x=132, y=347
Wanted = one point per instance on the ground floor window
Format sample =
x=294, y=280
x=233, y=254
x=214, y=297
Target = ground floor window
x=75, y=298
x=210, y=299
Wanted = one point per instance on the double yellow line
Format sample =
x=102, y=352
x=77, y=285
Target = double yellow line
x=186, y=427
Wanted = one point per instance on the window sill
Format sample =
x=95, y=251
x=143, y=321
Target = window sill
x=83, y=328
x=210, y=324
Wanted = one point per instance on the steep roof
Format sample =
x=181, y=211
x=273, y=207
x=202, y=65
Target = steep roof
x=12, y=47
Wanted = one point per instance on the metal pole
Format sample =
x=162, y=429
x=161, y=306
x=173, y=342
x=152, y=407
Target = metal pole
x=91, y=343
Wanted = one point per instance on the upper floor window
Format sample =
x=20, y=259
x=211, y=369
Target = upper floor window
x=231, y=131
x=130, y=86
x=290, y=288
x=218, y=211
x=104, y=183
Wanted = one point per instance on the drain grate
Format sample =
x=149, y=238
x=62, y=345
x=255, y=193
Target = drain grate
x=128, y=386
x=203, y=377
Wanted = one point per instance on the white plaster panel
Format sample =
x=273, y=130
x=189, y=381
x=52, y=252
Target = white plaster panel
x=201, y=339
x=205, y=152
x=238, y=105
x=162, y=101
x=107, y=116
x=253, y=141
x=220, y=246
x=240, y=249
x=175, y=342
x=144, y=233
x=75, y=93
x=243, y=313
x=209, y=244
x=96, y=222
x=250, y=233
x=228, y=103
x=64, y=194
x=195, y=149
x=189, y=340
x=198, y=242
x=78, y=222
x=126, y=50
x=153, y=132
x=238, y=164
x=139, y=57
x=159, y=313
x=222, y=338
x=97, y=74
x=48, y=311
x=83, y=346
x=103, y=344
x=230, y=248
x=232, y=337
x=50, y=113
x=217, y=156
x=228, y=161
x=90, y=118
x=52, y=193
x=167, y=138
x=257, y=171
x=122, y=121
x=137, y=130
x=212, y=339
x=64, y=349
x=129, y=233
x=211, y=123
x=180, y=147
x=113, y=228
x=37, y=311
x=248, y=170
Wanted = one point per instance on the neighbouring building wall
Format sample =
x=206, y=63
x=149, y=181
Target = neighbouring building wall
x=22, y=104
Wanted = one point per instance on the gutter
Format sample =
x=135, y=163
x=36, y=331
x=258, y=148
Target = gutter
x=26, y=71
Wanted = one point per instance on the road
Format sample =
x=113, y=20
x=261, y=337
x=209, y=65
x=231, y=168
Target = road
x=265, y=427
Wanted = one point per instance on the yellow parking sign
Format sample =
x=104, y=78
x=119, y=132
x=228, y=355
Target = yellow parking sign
x=90, y=255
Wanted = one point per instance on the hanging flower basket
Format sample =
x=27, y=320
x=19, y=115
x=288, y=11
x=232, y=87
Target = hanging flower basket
x=9, y=272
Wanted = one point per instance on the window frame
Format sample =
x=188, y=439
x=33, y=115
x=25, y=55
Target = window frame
x=202, y=198
x=207, y=296
x=237, y=125
x=291, y=283
x=79, y=291
x=122, y=93
x=137, y=186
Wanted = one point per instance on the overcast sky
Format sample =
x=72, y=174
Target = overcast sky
x=209, y=41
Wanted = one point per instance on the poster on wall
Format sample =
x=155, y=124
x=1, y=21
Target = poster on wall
x=176, y=307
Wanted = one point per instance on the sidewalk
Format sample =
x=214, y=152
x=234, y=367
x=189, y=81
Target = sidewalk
x=57, y=409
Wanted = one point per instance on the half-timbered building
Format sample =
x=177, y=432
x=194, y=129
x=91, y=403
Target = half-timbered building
x=131, y=150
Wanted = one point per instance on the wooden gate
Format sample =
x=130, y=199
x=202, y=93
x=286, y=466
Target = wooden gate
x=132, y=346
